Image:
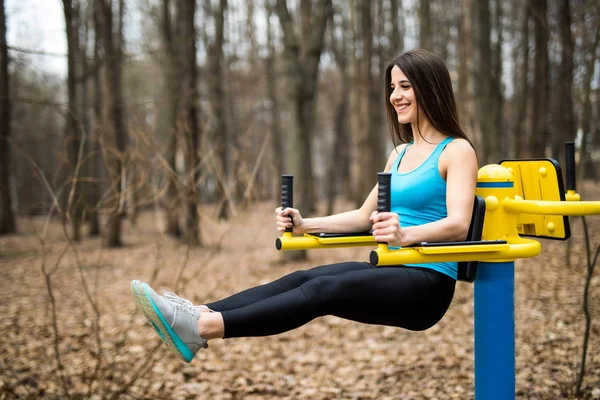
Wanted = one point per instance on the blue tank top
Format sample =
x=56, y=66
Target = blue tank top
x=419, y=197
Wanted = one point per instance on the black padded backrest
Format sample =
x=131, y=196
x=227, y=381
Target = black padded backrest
x=467, y=270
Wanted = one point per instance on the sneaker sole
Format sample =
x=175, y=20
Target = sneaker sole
x=153, y=315
x=135, y=292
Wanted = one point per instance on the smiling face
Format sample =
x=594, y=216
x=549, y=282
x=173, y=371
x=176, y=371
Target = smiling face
x=402, y=97
x=418, y=90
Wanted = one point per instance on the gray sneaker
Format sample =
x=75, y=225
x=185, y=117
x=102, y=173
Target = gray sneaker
x=174, y=319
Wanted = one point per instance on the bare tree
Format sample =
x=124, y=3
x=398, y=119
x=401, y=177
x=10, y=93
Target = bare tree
x=591, y=41
x=171, y=201
x=354, y=102
x=72, y=136
x=565, y=127
x=442, y=17
x=465, y=68
x=7, y=218
x=189, y=117
x=301, y=61
x=497, y=95
x=425, y=24
x=484, y=82
x=339, y=161
x=276, y=132
x=216, y=64
x=94, y=190
x=114, y=111
x=540, y=131
x=178, y=34
x=369, y=136
x=397, y=21
x=522, y=82
x=87, y=77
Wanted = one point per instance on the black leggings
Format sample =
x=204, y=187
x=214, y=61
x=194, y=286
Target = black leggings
x=407, y=297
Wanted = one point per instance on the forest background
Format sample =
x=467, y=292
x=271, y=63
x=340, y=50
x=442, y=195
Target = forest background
x=159, y=154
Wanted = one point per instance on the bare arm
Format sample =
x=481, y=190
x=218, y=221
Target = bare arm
x=349, y=221
x=460, y=163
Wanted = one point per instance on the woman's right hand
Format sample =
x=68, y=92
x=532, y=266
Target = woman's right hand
x=284, y=219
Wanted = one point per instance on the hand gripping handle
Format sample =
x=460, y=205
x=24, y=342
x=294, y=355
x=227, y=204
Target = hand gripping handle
x=570, y=165
x=287, y=194
x=384, y=198
x=384, y=204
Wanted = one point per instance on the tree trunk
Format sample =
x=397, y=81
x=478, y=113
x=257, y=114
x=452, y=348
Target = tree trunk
x=466, y=103
x=355, y=116
x=497, y=95
x=564, y=128
x=595, y=136
x=376, y=106
x=590, y=45
x=7, y=218
x=72, y=136
x=95, y=188
x=276, y=142
x=540, y=132
x=189, y=123
x=215, y=66
x=442, y=12
x=339, y=162
x=301, y=59
x=301, y=63
x=425, y=25
x=397, y=39
x=483, y=88
x=171, y=202
x=371, y=152
x=522, y=79
x=364, y=155
x=132, y=180
x=83, y=95
x=114, y=112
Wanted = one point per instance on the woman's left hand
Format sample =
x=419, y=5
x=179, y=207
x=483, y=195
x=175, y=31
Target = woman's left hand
x=387, y=229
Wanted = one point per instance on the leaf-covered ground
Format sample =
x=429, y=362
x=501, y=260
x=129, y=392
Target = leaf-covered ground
x=107, y=350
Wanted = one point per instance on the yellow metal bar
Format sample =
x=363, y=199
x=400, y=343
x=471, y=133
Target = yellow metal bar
x=525, y=248
x=365, y=240
x=481, y=248
x=306, y=242
x=551, y=207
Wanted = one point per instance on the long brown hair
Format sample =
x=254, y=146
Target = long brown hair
x=431, y=82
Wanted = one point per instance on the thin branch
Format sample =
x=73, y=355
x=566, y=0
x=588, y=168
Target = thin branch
x=591, y=263
x=33, y=51
x=257, y=164
x=60, y=369
x=142, y=369
x=221, y=180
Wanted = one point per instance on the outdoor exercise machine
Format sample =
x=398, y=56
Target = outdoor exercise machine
x=514, y=199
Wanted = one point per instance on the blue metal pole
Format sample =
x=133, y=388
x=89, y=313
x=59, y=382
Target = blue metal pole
x=494, y=331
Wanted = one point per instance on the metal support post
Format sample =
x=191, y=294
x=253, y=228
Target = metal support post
x=494, y=331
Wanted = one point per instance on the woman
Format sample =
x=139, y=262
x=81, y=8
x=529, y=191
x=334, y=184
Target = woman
x=434, y=173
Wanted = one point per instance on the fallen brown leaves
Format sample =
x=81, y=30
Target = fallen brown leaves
x=329, y=358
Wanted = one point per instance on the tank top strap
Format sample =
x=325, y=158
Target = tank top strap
x=399, y=157
x=438, y=150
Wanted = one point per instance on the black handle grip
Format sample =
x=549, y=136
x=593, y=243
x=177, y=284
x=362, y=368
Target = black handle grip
x=384, y=198
x=570, y=165
x=287, y=194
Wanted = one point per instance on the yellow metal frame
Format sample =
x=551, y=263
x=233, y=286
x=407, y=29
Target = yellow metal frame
x=539, y=179
x=307, y=241
x=508, y=215
x=485, y=252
